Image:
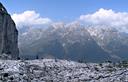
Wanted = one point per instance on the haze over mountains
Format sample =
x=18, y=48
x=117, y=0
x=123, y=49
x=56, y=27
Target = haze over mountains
x=99, y=36
x=96, y=38
x=74, y=42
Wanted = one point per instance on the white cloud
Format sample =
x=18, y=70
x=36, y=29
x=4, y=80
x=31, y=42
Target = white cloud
x=29, y=18
x=107, y=17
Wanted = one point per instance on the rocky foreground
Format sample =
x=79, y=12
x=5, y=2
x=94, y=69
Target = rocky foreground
x=50, y=70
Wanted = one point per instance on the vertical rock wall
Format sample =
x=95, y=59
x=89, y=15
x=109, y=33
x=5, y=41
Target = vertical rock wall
x=8, y=36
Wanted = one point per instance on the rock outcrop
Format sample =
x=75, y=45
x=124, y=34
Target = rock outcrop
x=8, y=36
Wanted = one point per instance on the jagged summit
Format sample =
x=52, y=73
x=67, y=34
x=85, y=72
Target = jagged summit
x=2, y=8
x=8, y=36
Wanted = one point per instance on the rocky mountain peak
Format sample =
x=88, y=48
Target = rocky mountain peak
x=8, y=36
x=2, y=8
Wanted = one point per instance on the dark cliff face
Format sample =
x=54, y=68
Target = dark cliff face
x=8, y=36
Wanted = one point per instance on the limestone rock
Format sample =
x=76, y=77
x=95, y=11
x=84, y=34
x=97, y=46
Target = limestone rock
x=8, y=35
x=50, y=70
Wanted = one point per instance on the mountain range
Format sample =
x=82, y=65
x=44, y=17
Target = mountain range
x=92, y=43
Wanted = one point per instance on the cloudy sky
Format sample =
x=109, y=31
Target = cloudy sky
x=41, y=12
